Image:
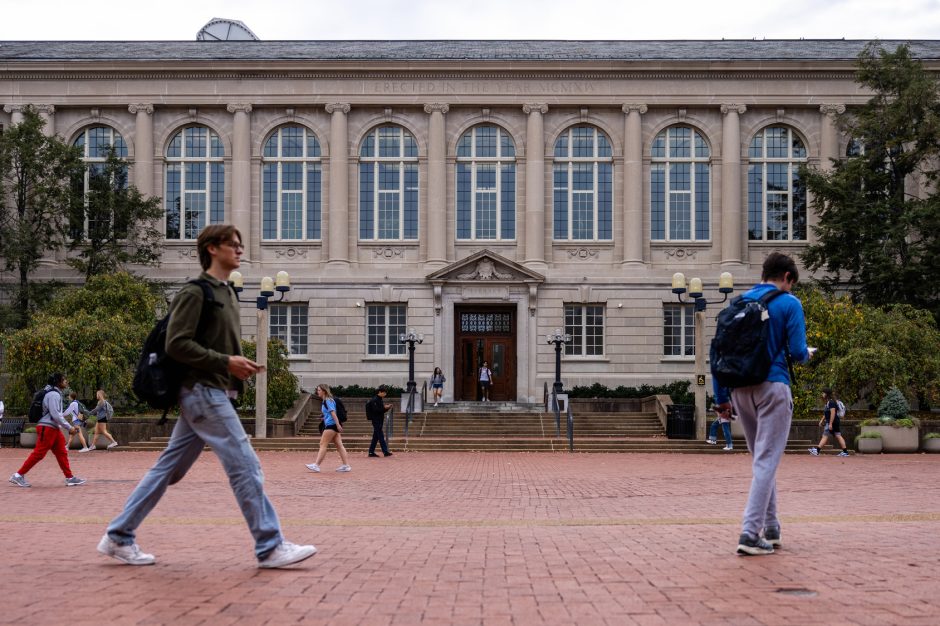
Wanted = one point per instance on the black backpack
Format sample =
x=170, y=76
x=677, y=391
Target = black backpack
x=35, y=407
x=340, y=410
x=740, y=356
x=158, y=378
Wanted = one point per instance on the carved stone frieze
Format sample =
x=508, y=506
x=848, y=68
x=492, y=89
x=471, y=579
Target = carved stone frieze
x=388, y=252
x=144, y=107
x=343, y=107
x=485, y=270
x=291, y=253
x=680, y=253
x=187, y=253
x=634, y=106
x=582, y=253
x=239, y=107
x=832, y=110
x=436, y=107
x=530, y=108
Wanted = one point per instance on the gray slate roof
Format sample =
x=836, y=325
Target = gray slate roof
x=462, y=50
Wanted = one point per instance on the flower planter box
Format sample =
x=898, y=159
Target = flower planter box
x=28, y=440
x=870, y=445
x=931, y=445
x=896, y=439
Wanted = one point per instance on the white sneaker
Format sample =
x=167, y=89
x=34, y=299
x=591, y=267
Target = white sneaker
x=726, y=448
x=126, y=554
x=113, y=444
x=85, y=449
x=711, y=441
x=343, y=468
x=313, y=467
x=287, y=553
x=435, y=404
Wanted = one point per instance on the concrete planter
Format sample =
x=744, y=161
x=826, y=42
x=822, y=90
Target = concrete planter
x=28, y=440
x=931, y=445
x=896, y=439
x=870, y=445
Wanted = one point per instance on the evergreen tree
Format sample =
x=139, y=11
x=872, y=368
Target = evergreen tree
x=878, y=232
x=36, y=195
x=115, y=226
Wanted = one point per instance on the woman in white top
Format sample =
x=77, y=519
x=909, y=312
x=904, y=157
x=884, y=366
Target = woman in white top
x=486, y=381
x=75, y=415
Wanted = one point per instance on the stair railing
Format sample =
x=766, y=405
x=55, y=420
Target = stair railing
x=424, y=394
x=409, y=409
x=570, y=428
x=557, y=412
x=389, y=423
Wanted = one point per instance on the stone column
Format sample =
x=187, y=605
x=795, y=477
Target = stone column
x=829, y=135
x=633, y=234
x=47, y=113
x=535, y=185
x=15, y=111
x=338, y=243
x=241, y=174
x=731, y=215
x=143, y=147
x=436, y=202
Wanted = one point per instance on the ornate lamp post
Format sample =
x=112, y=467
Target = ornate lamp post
x=694, y=287
x=268, y=286
x=411, y=338
x=558, y=338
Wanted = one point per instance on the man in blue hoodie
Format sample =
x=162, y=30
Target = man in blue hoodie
x=765, y=410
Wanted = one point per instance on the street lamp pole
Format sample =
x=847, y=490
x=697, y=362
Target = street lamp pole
x=268, y=287
x=694, y=287
x=411, y=338
x=558, y=338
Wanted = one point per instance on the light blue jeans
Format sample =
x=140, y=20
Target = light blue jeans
x=206, y=417
x=725, y=428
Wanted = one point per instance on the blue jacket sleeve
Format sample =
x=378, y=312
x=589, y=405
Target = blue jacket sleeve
x=796, y=331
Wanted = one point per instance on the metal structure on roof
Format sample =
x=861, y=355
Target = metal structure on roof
x=224, y=29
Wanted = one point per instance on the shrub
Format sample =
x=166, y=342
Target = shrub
x=678, y=390
x=932, y=436
x=871, y=434
x=283, y=389
x=355, y=391
x=893, y=406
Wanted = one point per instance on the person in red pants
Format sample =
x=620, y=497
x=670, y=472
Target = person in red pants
x=49, y=435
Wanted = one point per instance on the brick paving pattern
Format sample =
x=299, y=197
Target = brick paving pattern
x=483, y=538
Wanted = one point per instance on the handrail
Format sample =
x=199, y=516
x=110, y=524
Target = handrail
x=389, y=423
x=557, y=412
x=545, y=393
x=570, y=428
x=424, y=394
x=409, y=411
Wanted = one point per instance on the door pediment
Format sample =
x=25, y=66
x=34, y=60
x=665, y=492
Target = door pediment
x=486, y=267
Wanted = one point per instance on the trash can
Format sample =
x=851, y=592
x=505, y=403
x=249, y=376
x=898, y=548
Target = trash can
x=680, y=421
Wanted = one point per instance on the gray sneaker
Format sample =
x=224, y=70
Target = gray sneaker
x=74, y=481
x=772, y=536
x=753, y=546
x=843, y=453
x=286, y=553
x=19, y=481
x=126, y=554
x=814, y=451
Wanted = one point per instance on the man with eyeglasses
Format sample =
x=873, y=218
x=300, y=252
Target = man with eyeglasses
x=216, y=369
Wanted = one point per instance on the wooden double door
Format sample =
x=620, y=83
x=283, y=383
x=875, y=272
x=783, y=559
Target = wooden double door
x=485, y=335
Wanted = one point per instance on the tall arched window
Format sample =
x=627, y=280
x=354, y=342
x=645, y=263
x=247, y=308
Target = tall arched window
x=291, y=185
x=388, y=185
x=486, y=184
x=776, y=197
x=195, y=182
x=582, y=185
x=95, y=143
x=680, y=186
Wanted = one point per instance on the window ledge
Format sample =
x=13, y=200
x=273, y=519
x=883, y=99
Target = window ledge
x=677, y=359
x=584, y=359
x=396, y=358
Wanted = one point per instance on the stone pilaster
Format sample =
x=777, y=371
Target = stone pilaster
x=633, y=233
x=241, y=177
x=143, y=147
x=47, y=113
x=732, y=231
x=829, y=135
x=338, y=242
x=535, y=185
x=15, y=111
x=436, y=203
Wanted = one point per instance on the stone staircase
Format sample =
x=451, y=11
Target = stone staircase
x=499, y=426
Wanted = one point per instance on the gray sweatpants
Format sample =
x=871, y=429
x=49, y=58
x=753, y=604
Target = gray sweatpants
x=765, y=411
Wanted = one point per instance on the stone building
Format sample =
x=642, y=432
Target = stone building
x=483, y=193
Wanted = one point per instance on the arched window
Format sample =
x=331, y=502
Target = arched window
x=680, y=188
x=582, y=184
x=95, y=142
x=291, y=185
x=388, y=185
x=195, y=182
x=776, y=197
x=486, y=184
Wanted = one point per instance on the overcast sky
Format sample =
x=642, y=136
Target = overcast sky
x=476, y=19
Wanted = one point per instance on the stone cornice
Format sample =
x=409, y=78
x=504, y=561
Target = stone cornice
x=144, y=107
x=436, y=108
x=529, y=108
x=239, y=107
x=344, y=107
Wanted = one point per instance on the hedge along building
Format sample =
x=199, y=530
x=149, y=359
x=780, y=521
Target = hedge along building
x=483, y=193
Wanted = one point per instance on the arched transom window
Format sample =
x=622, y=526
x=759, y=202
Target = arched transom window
x=291, y=181
x=582, y=185
x=195, y=182
x=388, y=185
x=486, y=184
x=95, y=142
x=776, y=197
x=680, y=186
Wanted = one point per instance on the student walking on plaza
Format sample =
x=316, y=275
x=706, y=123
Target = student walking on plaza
x=215, y=370
x=332, y=431
x=49, y=435
x=831, y=423
x=75, y=414
x=724, y=419
x=375, y=413
x=103, y=412
x=437, y=384
x=766, y=409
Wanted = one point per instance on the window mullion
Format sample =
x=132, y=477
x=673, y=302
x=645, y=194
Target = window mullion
x=473, y=194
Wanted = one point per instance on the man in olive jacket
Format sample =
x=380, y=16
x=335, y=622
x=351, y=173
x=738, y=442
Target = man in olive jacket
x=215, y=373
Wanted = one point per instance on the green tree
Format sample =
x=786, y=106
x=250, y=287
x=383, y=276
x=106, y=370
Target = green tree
x=283, y=387
x=120, y=227
x=35, y=197
x=873, y=235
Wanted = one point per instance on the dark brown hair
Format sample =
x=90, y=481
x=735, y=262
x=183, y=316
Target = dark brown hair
x=214, y=235
x=776, y=266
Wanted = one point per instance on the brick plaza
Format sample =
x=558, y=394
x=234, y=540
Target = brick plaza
x=483, y=538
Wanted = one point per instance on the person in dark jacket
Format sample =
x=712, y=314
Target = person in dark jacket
x=375, y=413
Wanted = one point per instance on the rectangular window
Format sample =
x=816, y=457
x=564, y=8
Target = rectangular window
x=678, y=330
x=288, y=322
x=384, y=324
x=585, y=324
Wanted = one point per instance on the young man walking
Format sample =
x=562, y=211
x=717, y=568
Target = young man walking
x=215, y=371
x=831, y=423
x=49, y=435
x=766, y=409
x=375, y=411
